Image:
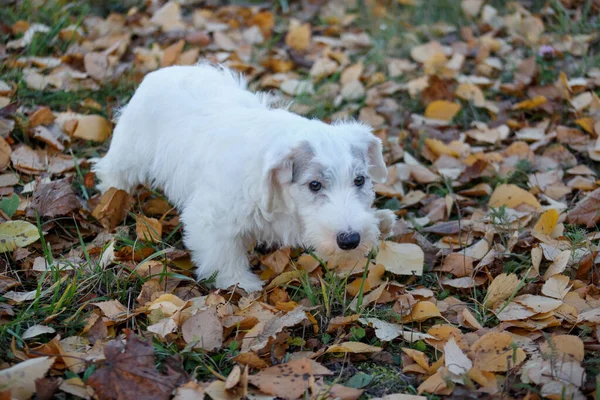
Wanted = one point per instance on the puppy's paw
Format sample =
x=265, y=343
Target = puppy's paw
x=248, y=281
x=387, y=220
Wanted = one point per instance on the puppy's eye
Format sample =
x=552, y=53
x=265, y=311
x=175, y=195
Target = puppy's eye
x=359, y=181
x=315, y=186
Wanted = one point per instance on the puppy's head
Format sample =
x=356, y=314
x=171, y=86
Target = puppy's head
x=326, y=180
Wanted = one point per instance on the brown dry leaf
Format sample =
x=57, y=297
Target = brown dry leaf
x=501, y=288
x=204, y=329
x=258, y=337
x=539, y=304
x=299, y=37
x=112, y=208
x=341, y=321
x=172, y=53
x=547, y=222
x=27, y=160
x=353, y=347
x=495, y=352
x=387, y=331
x=458, y=265
x=130, y=372
x=512, y=196
x=41, y=116
x=250, y=359
x=290, y=380
x=442, y=110
x=401, y=258
x=5, y=152
x=148, y=229
x=587, y=211
x=278, y=260
x=54, y=199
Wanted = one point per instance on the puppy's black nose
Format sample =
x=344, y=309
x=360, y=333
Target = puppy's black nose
x=348, y=240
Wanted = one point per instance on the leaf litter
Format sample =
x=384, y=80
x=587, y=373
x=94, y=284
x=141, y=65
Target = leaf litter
x=487, y=283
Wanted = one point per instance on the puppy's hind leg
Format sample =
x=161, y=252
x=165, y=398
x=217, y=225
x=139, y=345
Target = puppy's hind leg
x=225, y=255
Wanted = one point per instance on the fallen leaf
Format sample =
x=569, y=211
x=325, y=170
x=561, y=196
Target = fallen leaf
x=130, y=372
x=512, y=196
x=189, y=391
x=204, y=329
x=401, y=258
x=299, y=37
x=556, y=286
x=387, y=331
x=5, y=154
x=547, y=222
x=455, y=359
x=586, y=212
x=442, y=110
x=290, y=380
x=112, y=208
x=423, y=310
x=257, y=338
x=501, y=288
x=148, y=229
x=92, y=127
x=15, y=234
x=54, y=199
x=20, y=379
x=36, y=330
x=495, y=352
x=353, y=347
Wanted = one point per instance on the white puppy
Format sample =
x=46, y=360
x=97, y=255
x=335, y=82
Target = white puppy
x=242, y=171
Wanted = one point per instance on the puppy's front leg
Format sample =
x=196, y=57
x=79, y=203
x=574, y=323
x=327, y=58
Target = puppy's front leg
x=224, y=255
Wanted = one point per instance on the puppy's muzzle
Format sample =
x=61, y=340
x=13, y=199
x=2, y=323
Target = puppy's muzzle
x=348, y=240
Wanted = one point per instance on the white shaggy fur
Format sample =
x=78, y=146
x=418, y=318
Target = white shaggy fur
x=239, y=170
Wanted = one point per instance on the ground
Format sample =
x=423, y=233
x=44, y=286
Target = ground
x=487, y=287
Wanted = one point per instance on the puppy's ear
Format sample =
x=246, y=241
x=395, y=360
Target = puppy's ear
x=278, y=170
x=362, y=136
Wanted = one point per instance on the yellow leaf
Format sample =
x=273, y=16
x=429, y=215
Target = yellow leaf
x=421, y=311
x=15, y=234
x=353, y=347
x=299, y=37
x=495, y=352
x=531, y=103
x=417, y=356
x=512, y=196
x=586, y=123
x=565, y=347
x=438, y=148
x=435, y=384
x=92, y=127
x=285, y=278
x=501, y=288
x=442, y=110
x=470, y=92
x=547, y=222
